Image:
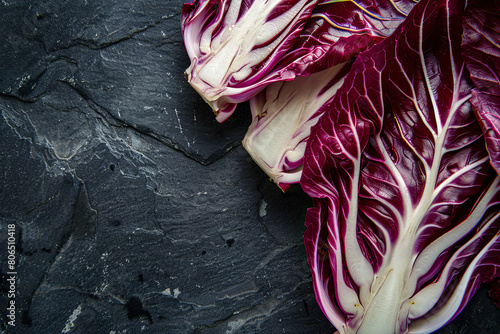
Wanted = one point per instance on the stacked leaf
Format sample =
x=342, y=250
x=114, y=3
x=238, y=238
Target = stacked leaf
x=237, y=48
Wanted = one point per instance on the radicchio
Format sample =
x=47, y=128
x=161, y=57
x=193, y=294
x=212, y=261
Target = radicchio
x=234, y=44
x=283, y=113
x=282, y=117
x=238, y=47
x=338, y=30
x=406, y=218
x=481, y=45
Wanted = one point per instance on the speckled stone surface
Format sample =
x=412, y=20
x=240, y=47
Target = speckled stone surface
x=134, y=210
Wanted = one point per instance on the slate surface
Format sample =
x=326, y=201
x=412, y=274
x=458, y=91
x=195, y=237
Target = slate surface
x=134, y=210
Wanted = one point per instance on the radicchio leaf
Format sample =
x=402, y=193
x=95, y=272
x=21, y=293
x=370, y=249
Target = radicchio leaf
x=481, y=45
x=339, y=29
x=282, y=117
x=406, y=221
x=284, y=112
x=238, y=47
x=233, y=44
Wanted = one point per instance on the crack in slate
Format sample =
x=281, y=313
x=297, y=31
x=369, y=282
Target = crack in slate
x=40, y=205
x=18, y=89
x=109, y=117
x=95, y=45
x=109, y=297
x=51, y=57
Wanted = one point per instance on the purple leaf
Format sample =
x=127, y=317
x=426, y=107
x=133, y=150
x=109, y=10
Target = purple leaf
x=339, y=30
x=284, y=112
x=239, y=47
x=234, y=44
x=481, y=45
x=406, y=221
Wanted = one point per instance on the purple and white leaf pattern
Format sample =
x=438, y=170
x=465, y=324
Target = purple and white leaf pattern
x=406, y=222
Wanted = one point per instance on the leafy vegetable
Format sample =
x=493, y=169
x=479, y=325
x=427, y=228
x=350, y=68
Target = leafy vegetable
x=338, y=30
x=406, y=222
x=481, y=47
x=238, y=47
x=235, y=44
x=282, y=117
x=284, y=112
x=403, y=158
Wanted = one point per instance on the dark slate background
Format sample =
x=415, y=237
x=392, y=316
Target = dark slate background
x=135, y=211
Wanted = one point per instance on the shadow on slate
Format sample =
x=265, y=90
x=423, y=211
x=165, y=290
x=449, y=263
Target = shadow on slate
x=135, y=211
